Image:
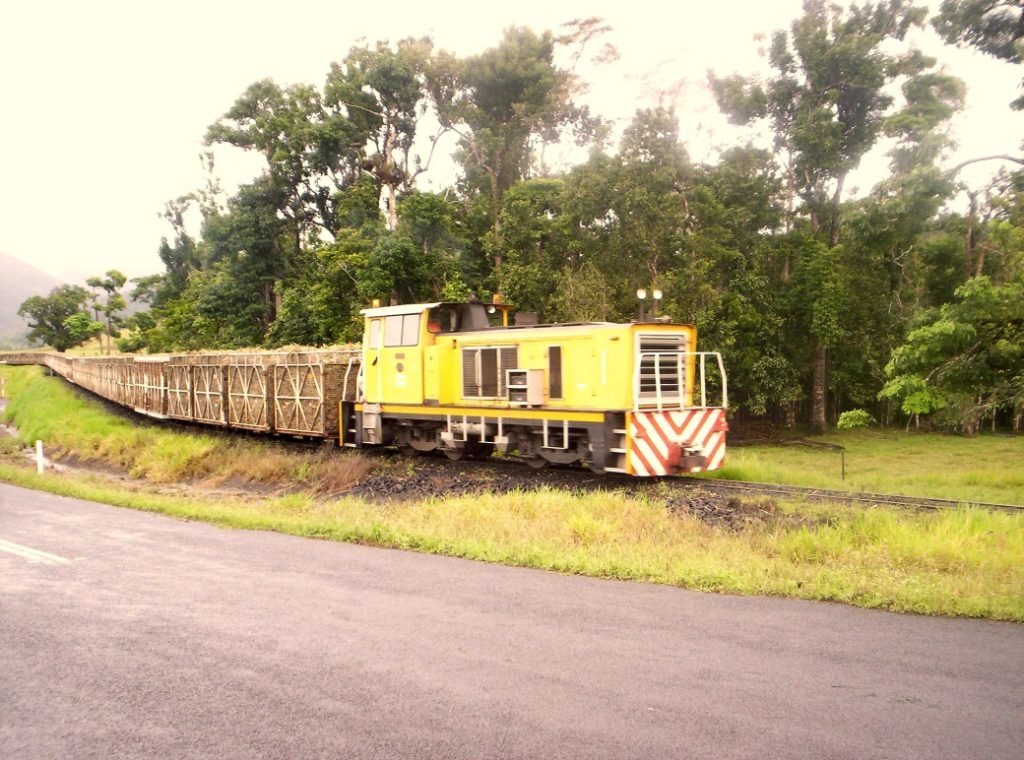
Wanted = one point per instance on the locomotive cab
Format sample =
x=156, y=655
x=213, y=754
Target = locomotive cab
x=398, y=363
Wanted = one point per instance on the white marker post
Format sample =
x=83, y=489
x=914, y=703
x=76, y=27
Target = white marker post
x=40, y=461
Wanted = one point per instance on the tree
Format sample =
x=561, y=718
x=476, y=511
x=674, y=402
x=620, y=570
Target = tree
x=179, y=256
x=629, y=214
x=384, y=90
x=252, y=246
x=994, y=27
x=322, y=307
x=398, y=271
x=59, y=319
x=113, y=304
x=826, y=105
x=305, y=145
x=498, y=103
x=964, y=360
x=536, y=242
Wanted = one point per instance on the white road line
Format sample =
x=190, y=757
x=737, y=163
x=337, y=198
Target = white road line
x=32, y=555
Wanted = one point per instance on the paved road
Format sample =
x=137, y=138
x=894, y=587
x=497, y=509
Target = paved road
x=139, y=636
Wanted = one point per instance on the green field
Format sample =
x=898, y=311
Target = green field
x=964, y=562
x=985, y=468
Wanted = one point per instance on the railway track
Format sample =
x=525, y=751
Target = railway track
x=824, y=494
x=580, y=479
x=573, y=477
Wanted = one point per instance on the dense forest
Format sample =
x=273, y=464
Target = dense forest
x=902, y=306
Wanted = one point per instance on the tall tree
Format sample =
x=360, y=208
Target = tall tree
x=630, y=212
x=994, y=27
x=308, y=148
x=826, y=105
x=537, y=241
x=383, y=90
x=498, y=103
x=59, y=319
x=322, y=306
x=112, y=303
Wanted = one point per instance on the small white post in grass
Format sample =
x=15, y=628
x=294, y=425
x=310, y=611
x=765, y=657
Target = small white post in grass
x=3, y=387
x=40, y=461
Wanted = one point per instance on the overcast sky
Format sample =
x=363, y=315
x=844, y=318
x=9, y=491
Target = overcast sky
x=105, y=103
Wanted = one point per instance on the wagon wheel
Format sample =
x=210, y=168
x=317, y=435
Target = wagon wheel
x=537, y=462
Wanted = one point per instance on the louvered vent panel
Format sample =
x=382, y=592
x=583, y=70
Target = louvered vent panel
x=509, y=359
x=470, y=381
x=662, y=365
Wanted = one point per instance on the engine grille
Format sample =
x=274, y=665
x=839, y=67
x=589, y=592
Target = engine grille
x=661, y=367
x=483, y=370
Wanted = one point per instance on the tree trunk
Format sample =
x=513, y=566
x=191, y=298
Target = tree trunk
x=818, y=422
x=819, y=383
x=392, y=209
x=390, y=182
x=833, y=230
x=972, y=213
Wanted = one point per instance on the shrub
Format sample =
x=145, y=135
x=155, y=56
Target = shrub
x=855, y=418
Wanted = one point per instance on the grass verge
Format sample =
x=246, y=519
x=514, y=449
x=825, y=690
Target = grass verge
x=984, y=468
x=965, y=563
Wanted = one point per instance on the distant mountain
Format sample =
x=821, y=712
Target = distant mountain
x=18, y=281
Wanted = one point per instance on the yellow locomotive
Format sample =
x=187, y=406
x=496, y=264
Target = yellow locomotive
x=634, y=398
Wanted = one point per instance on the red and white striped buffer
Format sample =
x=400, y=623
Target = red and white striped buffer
x=658, y=440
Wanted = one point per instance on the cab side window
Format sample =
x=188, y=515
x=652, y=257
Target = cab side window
x=443, y=319
x=555, y=371
x=374, y=338
x=401, y=330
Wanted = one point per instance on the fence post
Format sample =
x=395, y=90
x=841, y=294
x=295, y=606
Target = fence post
x=40, y=461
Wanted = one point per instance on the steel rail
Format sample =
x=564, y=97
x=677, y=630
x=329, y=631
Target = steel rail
x=825, y=494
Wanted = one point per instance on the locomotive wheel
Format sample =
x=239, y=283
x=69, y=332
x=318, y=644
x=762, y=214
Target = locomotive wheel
x=411, y=442
x=537, y=463
x=470, y=450
x=477, y=450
